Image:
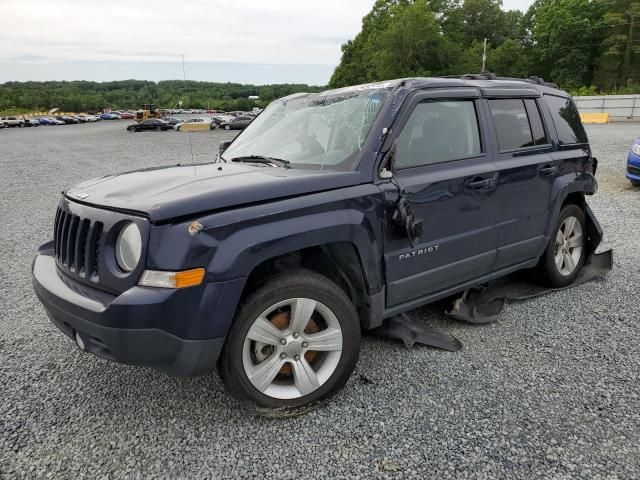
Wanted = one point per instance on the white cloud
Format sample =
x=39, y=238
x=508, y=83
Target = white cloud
x=245, y=31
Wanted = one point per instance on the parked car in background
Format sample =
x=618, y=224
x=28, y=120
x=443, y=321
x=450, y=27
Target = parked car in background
x=46, y=121
x=149, y=124
x=84, y=118
x=193, y=121
x=238, y=123
x=633, y=163
x=12, y=121
x=109, y=116
x=172, y=121
x=31, y=122
x=220, y=119
x=67, y=120
x=127, y=116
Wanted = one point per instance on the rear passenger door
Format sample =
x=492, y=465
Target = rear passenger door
x=443, y=167
x=527, y=173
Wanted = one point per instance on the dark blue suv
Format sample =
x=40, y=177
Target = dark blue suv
x=330, y=213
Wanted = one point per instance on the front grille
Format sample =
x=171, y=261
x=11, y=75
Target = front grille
x=77, y=244
x=633, y=170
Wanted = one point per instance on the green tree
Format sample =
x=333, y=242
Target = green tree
x=565, y=35
x=619, y=65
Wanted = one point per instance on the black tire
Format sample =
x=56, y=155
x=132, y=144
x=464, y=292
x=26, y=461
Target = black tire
x=227, y=127
x=634, y=183
x=6, y=125
x=300, y=284
x=131, y=129
x=548, y=271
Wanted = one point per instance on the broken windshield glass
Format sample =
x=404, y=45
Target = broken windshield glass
x=321, y=131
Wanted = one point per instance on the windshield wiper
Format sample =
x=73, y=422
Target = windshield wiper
x=278, y=162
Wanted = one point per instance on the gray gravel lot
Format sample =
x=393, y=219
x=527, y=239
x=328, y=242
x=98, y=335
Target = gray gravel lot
x=551, y=390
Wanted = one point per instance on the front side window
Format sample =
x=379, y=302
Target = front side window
x=439, y=131
x=567, y=120
x=316, y=131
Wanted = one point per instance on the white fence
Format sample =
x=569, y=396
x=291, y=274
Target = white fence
x=619, y=107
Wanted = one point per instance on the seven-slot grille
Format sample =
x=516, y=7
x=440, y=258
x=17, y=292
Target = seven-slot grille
x=77, y=244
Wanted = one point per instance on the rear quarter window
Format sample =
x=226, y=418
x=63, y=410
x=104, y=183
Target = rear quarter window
x=566, y=120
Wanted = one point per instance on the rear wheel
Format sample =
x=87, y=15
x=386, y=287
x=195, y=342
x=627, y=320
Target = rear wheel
x=294, y=341
x=565, y=255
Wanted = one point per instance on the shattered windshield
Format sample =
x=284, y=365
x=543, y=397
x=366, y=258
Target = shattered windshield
x=319, y=131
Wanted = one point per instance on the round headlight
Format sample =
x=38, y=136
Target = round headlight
x=129, y=247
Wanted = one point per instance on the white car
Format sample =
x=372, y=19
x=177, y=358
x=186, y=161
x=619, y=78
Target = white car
x=193, y=121
x=12, y=121
x=88, y=118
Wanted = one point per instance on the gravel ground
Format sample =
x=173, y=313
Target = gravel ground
x=551, y=390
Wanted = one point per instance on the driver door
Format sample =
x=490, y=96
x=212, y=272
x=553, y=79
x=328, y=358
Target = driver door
x=444, y=170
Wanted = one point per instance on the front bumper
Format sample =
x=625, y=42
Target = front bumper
x=633, y=167
x=141, y=325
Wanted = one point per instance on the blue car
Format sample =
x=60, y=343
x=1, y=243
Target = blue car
x=633, y=163
x=46, y=121
x=109, y=116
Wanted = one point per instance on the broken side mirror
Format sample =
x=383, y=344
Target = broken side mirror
x=405, y=219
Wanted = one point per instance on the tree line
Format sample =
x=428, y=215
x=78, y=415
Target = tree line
x=84, y=96
x=585, y=46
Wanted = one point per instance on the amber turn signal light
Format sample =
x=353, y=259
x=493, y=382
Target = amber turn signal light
x=183, y=279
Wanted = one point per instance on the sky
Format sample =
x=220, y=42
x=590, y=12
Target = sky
x=245, y=41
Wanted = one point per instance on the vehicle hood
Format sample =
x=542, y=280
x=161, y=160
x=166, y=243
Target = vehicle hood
x=184, y=190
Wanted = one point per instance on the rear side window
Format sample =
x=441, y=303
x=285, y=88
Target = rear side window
x=535, y=121
x=567, y=120
x=511, y=123
x=439, y=131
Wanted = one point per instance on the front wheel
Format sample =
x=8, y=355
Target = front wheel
x=227, y=127
x=294, y=341
x=565, y=254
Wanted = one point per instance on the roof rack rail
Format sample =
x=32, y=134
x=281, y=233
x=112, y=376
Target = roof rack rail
x=492, y=76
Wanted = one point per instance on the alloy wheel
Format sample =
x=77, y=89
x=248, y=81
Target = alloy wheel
x=568, y=246
x=292, y=348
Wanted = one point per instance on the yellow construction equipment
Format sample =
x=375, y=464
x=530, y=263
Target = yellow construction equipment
x=148, y=110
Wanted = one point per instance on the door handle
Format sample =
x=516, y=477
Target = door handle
x=548, y=170
x=480, y=183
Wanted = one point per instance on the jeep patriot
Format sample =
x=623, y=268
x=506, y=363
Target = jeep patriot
x=330, y=213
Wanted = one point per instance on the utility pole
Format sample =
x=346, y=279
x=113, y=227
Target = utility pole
x=484, y=56
x=184, y=78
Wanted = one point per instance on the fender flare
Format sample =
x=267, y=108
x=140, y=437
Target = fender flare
x=594, y=230
x=294, y=234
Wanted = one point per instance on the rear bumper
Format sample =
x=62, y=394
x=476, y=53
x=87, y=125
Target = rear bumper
x=132, y=327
